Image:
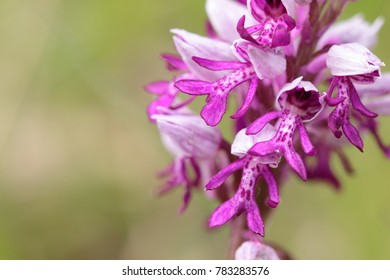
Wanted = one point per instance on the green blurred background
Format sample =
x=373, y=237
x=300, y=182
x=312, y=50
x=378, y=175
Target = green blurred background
x=78, y=156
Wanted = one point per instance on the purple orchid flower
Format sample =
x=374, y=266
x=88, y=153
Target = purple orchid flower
x=274, y=23
x=194, y=146
x=298, y=102
x=258, y=64
x=347, y=63
x=252, y=168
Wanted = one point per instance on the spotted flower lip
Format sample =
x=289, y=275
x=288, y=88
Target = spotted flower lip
x=259, y=64
x=253, y=168
x=351, y=60
x=299, y=102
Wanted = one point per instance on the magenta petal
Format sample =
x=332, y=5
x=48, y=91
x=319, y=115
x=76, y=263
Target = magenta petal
x=334, y=101
x=296, y=163
x=186, y=200
x=307, y=146
x=281, y=37
x=174, y=62
x=215, y=108
x=353, y=135
x=218, y=65
x=194, y=87
x=255, y=223
x=155, y=106
x=357, y=103
x=259, y=124
x=290, y=22
x=334, y=123
x=263, y=148
x=158, y=87
x=222, y=175
x=225, y=212
x=248, y=99
x=268, y=64
x=244, y=34
x=273, y=191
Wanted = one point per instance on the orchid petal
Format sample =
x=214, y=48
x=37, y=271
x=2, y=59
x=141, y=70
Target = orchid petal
x=224, y=23
x=267, y=64
x=353, y=135
x=296, y=162
x=222, y=175
x=273, y=191
x=189, y=45
x=225, y=212
x=248, y=99
x=352, y=59
x=261, y=122
x=307, y=146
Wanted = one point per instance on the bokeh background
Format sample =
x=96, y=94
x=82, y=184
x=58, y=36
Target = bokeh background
x=78, y=156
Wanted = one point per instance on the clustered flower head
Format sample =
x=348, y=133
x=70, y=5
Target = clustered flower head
x=301, y=86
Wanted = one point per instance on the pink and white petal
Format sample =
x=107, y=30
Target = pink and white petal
x=189, y=45
x=355, y=29
x=352, y=59
x=380, y=105
x=380, y=87
x=188, y=135
x=267, y=64
x=243, y=142
x=254, y=250
x=224, y=15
